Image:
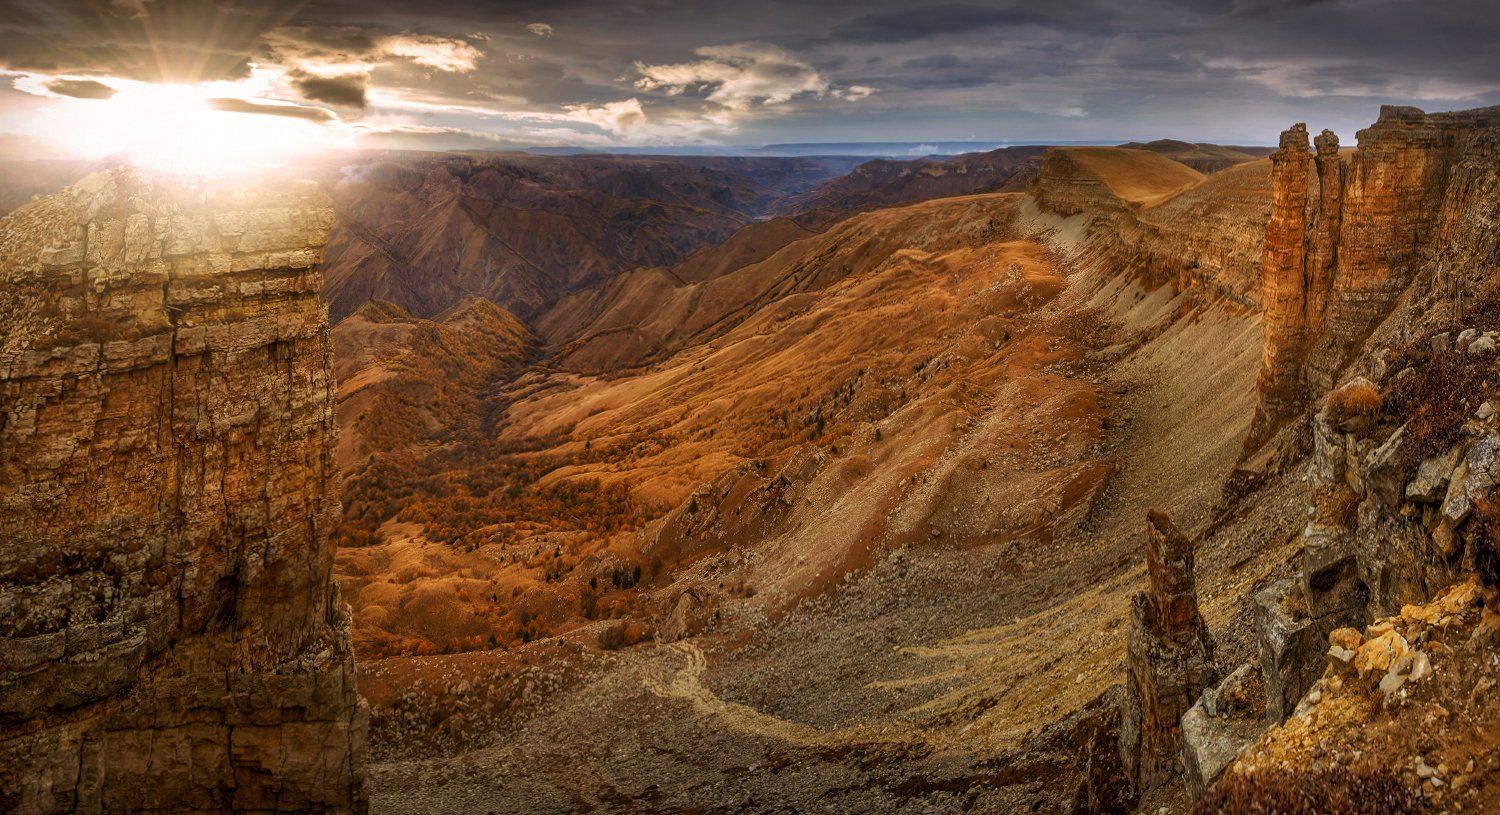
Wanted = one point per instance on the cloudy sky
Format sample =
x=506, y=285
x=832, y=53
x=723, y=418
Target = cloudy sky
x=467, y=73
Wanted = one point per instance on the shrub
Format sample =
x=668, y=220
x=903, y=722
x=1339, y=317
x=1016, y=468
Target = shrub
x=1361, y=399
x=1434, y=400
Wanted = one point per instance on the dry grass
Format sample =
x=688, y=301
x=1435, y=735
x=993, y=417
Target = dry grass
x=1356, y=400
x=1435, y=399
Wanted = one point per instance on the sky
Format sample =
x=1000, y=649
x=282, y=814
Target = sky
x=78, y=76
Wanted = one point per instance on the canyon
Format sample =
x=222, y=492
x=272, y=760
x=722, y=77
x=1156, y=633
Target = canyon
x=1051, y=479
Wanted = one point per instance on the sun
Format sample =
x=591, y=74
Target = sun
x=193, y=129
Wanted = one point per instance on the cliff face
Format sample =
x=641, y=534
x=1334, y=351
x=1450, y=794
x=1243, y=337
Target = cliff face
x=170, y=638
x=1349, y=234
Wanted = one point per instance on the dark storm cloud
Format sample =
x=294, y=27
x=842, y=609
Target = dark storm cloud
x=151, y=40
x=922, y=22
x=339, y=91
x=304, y=112
x=1250, y=8
x=80, y=88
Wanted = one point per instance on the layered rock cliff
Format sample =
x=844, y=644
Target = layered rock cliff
x=1350, y=233
x=1372, y=274
x=170, y=638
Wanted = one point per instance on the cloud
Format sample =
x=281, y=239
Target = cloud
x=442, y=53
x=923, y=21
x=540, y=29
x=854, y=93
x=304, y=112
x=346, y=91
x=737, y=76
x=1252, y=8
x=616, y=117
x=80, y=88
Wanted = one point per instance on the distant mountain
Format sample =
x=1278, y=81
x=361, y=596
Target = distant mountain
x=883, y=183
x=429, y=232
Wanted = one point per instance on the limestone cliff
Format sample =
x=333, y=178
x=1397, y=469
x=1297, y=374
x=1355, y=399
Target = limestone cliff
x=170, y=638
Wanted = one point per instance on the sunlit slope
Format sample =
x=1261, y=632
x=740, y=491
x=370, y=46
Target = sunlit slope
x=1135, y=176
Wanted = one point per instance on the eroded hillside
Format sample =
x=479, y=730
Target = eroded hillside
x=872, y=428
x=888, y=485
x=428, y=233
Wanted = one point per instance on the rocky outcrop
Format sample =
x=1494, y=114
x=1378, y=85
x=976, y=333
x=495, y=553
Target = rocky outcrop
x=1350, y=233
x=1404, y=720
x=1223, y=722
x=170, y=638
x=1170, y=656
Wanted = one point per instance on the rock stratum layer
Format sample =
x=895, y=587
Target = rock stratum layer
x=170, y=638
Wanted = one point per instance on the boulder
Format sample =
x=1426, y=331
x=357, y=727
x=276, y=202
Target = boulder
x=1291, y=649
x=1433, y=475
x=1220, y=726
x=1456, y=505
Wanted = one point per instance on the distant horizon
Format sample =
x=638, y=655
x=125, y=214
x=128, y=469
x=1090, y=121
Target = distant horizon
x=883, y=148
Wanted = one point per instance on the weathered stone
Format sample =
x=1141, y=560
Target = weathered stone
x=1431, y=481
x=1330, y=577
x=1456, y=504
x=1483, y=469
x=1291, y=649
x=1217, y=729
x=171, y=638
x=1482, y=347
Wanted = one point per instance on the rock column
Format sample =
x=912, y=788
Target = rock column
x=1170, y=656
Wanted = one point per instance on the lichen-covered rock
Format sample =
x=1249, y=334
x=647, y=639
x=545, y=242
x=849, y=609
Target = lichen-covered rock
x=170, y=638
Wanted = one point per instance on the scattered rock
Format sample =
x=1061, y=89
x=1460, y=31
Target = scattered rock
x=1378, y=654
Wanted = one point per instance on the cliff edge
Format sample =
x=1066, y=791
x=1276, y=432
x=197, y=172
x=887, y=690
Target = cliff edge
x=170, y=637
